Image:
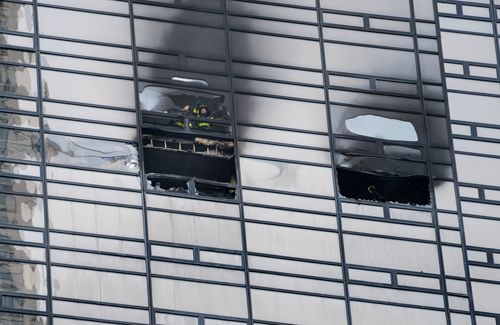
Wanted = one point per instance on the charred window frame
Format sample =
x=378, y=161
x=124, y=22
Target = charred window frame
x=188, y=140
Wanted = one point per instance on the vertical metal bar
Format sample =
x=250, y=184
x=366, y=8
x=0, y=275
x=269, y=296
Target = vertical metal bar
x=338, y=205
x=453, y=166
x=142, y=174
x=43, y=172
x=495, y=20
x=420, y=87
x=239, y=190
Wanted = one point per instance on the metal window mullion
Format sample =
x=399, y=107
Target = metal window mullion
x=239, y=188
x=338, y=205
x=420, y=82
x=43, y=176
x=142, y=174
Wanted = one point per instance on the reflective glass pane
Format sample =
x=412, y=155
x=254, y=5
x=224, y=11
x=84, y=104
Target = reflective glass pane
x=16, y=16
x=23, y=278
x=21, y=210
x=85, y=152
x=18, y=144
x=18, y=80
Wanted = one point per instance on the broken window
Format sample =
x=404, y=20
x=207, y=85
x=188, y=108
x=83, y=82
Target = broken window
x=188, y=142
x=382, y=128
x=381, y=155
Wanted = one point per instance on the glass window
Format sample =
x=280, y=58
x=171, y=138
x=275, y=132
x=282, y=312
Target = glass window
x=482, y=296
x=102, y=5
x=424, y=9
x=94, y=194
x=173, y=252
x=22, y=252
x=220, y=258
x=290, y=217
x=196, y=206
x=23, y=278
x=389, y=253
x=262, y=48
x=281, y=136
x=17, y=144
x=275, y=27
x=97, y=260
x=382, y=127
x=22, y=235
x=92, y=177
x=88, y=89
x=453, y=261
x=199, y=297
x=277, y=89
x=99, y=286
x=197, y=272
x=194, y=230
x=21, y=210
x=281, y=113
x=466, y=47
x=91, y=129
x=169, y=319
x=388, y=229
x=17, y=120
x=92, y=66
x=93, y=243
x=270, y=11
x=396, y=25
x=16, y=40
x=84, y=26
x=18, y=80
x=20, y=185
x=478, y=170
x=18, y=104
x=369, y=38
x=16, y=17
x=83, y=152
x=293, y=242
x=339, y=19
x=187, y=17
x=295, y=267
x=15, y=56
x=277, y=73
x=286, y=176
x=80, y=309
x=296, y=284
x=14, y=319
x=482, y=232
x=289, y=201
x=370, y=276
x=180, y=39
x=95, y=219
x=90, y=113
x=360, y=60
x=396, y=296
x=377, y=314
x=90, y=50
x=381, y=7
x=485, y=108
x=298, y=309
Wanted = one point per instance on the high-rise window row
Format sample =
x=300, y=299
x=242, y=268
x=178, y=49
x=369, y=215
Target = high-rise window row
x=225, y=162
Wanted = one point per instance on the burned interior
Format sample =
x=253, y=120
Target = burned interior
x=188, y=140
x=381, y=155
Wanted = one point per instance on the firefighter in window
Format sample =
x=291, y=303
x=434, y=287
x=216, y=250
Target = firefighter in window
x=197, y=111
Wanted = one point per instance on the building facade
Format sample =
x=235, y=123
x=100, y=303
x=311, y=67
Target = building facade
x=225, y=162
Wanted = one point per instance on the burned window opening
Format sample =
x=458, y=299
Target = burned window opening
x=359, y=185
x=381, y=156
x=188, y=143
x=382, y=127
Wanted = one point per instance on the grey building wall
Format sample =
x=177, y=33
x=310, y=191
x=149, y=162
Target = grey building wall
x=85, y=239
